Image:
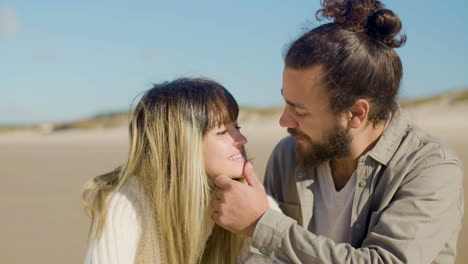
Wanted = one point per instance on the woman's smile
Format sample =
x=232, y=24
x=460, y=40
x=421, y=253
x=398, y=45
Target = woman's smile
x=237, y=158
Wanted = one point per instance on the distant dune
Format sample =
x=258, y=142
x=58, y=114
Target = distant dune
x=452, y=99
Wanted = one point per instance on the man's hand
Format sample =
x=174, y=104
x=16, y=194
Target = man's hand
x=238, y=207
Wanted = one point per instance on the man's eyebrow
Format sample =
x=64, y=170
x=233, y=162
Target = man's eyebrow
x=296, y=105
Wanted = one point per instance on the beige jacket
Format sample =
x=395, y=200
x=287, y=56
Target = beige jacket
x=407, y=208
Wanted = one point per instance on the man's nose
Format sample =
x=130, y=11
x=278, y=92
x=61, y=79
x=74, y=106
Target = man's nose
x=287, y=120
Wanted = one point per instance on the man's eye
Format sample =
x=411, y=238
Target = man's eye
x=237, y=127
x=221, y=132
x=301, y=114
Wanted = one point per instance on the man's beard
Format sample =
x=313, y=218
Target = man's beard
x=310, y=154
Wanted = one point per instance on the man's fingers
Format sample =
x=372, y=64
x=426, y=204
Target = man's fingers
x=218, y=193
x=216, y=205
x=215, y=217
x=223, y=182
x=250, y=175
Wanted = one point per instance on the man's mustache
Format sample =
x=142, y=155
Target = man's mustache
x=293, y=132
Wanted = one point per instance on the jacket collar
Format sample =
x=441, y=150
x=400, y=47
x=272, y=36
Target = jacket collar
x=391, y=138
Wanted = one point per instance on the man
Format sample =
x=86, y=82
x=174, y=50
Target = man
x=357, y=181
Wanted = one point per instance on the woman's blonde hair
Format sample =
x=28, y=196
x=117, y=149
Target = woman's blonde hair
x=166, y=159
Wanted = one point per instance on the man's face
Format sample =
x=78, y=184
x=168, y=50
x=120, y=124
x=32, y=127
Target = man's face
x=320, y=134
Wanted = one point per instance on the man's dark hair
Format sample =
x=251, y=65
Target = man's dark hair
x=356, y=53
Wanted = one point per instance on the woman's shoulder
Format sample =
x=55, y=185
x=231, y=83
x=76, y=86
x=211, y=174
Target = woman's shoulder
x=118, y=241
x=124, y=207
x=132, y=189
x=128, y=197
x=127, y=207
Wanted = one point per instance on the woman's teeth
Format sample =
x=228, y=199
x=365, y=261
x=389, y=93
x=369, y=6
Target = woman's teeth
x=235, y=157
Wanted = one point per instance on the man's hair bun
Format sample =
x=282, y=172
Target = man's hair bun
x=368, y=16
x=384, y=25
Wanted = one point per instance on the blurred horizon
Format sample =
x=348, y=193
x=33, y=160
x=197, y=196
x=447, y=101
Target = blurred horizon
x=65, y=61
x=115, y=118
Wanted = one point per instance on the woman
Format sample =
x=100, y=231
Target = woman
x=155, y=208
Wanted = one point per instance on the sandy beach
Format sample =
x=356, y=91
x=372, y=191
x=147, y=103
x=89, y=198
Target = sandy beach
x=43, y=220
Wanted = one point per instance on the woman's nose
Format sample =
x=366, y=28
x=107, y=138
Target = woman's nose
x=240, y=139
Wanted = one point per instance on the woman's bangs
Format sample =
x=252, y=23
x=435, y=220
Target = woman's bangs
x=221, y=110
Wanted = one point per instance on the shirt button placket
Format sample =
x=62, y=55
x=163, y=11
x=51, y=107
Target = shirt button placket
x=363, y=183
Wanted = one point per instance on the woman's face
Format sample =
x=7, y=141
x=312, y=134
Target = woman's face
x=223, y=151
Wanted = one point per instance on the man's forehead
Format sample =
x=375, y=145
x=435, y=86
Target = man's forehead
x=305, y=103
x=304, y=88
x=293, y=103
x=312, y=74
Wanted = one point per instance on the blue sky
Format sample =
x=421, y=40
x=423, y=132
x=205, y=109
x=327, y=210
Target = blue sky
x=65, y=60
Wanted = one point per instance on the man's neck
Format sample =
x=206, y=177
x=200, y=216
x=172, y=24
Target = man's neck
x=343, y=168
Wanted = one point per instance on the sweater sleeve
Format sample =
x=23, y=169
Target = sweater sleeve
x=119, y=240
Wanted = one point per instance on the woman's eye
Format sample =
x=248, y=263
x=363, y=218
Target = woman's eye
x=221, y=132
x=227, y=130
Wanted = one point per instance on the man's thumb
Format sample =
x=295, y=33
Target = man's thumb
x=250, y=176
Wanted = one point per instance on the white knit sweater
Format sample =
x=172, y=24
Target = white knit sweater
x=119, y=240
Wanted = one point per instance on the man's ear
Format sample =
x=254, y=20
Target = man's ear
x=358, y=113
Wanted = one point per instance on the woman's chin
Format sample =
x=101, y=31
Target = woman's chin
x=230, y=171
x=236, y=175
